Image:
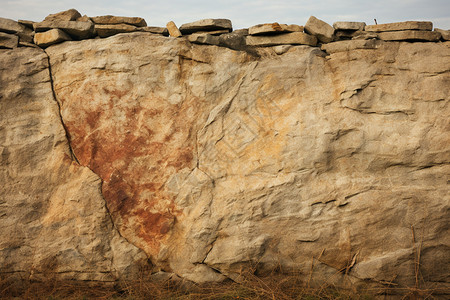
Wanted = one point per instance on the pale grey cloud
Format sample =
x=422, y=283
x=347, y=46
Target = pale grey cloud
x=242, y=13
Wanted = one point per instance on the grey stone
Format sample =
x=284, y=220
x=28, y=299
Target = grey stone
x=293, y=38
x=322, y=30
x=349, y=25
x=135, y=21
x=410, y=35
x=106, y=30
x=8, y=41
x=76, y=29
x=408, y=25
x=206, y=25
x=53, y=36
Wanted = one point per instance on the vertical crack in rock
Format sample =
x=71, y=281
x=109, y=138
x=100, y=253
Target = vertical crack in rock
x=72, y=153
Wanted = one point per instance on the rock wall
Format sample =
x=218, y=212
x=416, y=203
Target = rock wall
x=210, y=161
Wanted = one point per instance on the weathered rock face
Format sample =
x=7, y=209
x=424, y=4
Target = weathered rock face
x=213, y=160
x=53, y=217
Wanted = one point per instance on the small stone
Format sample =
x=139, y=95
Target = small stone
x=322, y=30
x=8, y=41
x=273, y=28
x=206, y=25
x=68, y=15
x=106, y=30
x=26, y=44
x=77, y=29
x=136, y=21
x=281, y=49
x=342, y=46
x=349, y=25
x=173, y=29
x=408, y=25
x=293, y=38
x=53, y=36
x=26, y=23
x=153, y=29
x=201, y=38
x=410, y=35
x=445, y=34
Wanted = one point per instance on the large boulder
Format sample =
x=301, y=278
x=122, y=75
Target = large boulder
x=322, y=30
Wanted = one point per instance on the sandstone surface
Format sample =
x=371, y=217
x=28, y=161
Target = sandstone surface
x=445, y=34
x=322, y=30
x=76, y=29
x=173, y=29
x=405, y=35
x=349, y=25
x=53, y=217
x=53, y=36
x=206, y=25
x=293, y=38
x=67, y=15
x=273, y=28
x=8, y=40
x=135, y=21
x=408, y=25
x=105, y=30
x=331, y=164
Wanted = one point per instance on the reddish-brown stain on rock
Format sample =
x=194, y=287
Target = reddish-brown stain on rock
x=134, y=146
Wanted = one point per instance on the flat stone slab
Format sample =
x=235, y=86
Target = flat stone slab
x=408, y=35
x=11, y=26
x=206, y=25
x=173, y=29
x=273, y=28
x=26, y=23
x=108, y=19
x=445, y=34
x=106, y=30
x=349, y=25
x=75, y=28
x=8, y=41
x=322, y=30
x=293, y=38
x=201, y=38
x=154, y=29
x=53, y=36
x=67, y=15
x=398, y=26
x=343, y=46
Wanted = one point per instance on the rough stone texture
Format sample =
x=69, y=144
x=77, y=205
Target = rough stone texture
x=414, y=35
x=408, y=25
x=294, y=38
x=281, y=49
x=206, y=25
x=26, y=23
x=53, y=218
x=68, y=15
x=173, y=29
x=153, y=29
x=364, y=35
x=342, y=46
x=53, y=36
x=11, y=26
x=445, y=34
x=234, y=40
x=349, y=25
x=213, y=160
x=112, y=29
x=322, y=30
x=135, y=21
x=201, y=38
x=8, y=40
x=76, y=29
x=273, y=28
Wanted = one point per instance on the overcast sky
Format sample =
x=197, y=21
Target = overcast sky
x=242, y=13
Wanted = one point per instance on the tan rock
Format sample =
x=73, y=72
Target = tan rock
x=206, y=25
x=153, y=29
x=84, y=19
x=202, y=38
x=273, y=28
x=53, y=36
x=322, y=30
x=399, y=26
x=112, y=29
x=67, y=15
x=8, y=41
x=281, y=49
x=407, y=35
x=364, y=35
x=294, y=38
x=445, y=34
x=53, y=217
x=173, y=29
x=11, y=26
x=135, y=21
x=76, y=29
x=27, y=23
x=342, y=46
x=213, y=32
x=349, y=26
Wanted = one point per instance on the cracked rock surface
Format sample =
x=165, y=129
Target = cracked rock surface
x=213, y=161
